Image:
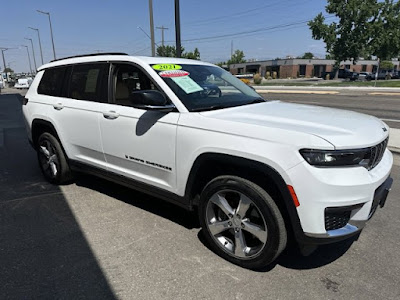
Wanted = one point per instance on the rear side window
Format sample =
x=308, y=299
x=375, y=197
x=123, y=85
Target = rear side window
x=89, y=82
x=52, y=82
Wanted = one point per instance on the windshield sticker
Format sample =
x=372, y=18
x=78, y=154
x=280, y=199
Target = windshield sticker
x=187, y=84
x=162, y=67
x=173, y=73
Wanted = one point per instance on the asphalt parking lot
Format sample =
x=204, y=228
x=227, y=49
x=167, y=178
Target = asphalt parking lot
x=94, y=239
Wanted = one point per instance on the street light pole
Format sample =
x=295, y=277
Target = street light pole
x=153, y=48
x=40, y=43
x=33, y=53
x=51, y=31
x=29, y=58
x=177, y=29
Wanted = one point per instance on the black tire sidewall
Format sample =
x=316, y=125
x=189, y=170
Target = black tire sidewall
x=276, y=240
x=64, y=173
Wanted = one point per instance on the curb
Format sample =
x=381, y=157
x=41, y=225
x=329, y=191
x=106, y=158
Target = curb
x=297, y=92
x=395, y=150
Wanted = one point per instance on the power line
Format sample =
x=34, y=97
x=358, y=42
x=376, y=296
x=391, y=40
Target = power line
x=235, y=14
x=241, y=33
x=251, y=12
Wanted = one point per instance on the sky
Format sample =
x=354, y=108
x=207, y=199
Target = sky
x=263, y=29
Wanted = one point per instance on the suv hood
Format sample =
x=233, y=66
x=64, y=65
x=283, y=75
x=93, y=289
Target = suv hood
x=343, y=129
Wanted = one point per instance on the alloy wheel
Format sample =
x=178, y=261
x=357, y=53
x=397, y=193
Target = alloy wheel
x=236, y=224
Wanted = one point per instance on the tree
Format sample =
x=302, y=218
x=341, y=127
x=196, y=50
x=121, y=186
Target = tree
x=386, y=65
x=8, y=70
x=307, y=55
x=192, y=55
x=170, y=51
x=237, y=58
x=329, y=56
x=167, y=51
x=349, y=37
x=364, y=28
x=385, y=41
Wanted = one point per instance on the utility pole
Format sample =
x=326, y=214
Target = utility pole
x=33, y=53
x=177, y=29
x=4, y=61
x=231, y=48
x=40, y=43
x=153, y=48
x=162, y=28
x=51, y=31
x=29, y=58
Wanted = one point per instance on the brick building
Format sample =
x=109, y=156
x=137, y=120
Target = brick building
x=296, y=67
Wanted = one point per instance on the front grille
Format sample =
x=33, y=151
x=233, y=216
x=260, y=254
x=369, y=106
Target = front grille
x=336, y=219
x=376, y=154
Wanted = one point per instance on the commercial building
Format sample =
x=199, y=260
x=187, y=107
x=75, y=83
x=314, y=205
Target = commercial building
x=296, y=67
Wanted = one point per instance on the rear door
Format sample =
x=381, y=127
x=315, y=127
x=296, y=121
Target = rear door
x=76, y=114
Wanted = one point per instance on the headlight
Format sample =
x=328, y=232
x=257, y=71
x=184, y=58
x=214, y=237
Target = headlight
x=328, y=158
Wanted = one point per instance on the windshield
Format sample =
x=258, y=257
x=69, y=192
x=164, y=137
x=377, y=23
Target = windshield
x=201, y=87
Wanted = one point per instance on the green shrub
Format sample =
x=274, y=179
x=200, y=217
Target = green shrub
x=267, y=75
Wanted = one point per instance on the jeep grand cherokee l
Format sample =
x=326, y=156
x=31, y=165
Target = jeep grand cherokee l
x=257, y=171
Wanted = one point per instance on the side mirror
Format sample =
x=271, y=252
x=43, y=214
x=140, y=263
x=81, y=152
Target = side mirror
x=150, y=100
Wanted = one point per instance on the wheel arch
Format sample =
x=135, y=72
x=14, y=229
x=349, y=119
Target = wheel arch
x=210, y=165
x=39, y=126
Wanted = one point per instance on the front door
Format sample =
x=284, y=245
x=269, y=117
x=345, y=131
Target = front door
x=137, y=143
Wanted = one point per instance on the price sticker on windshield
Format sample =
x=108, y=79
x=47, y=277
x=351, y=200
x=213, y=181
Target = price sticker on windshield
x=173, y=73
x=163, y=67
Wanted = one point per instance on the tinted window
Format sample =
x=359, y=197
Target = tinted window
x=128, y=79
x=52, y=82
x=89, y=82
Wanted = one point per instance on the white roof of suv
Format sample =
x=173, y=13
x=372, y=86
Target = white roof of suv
x=121, y=57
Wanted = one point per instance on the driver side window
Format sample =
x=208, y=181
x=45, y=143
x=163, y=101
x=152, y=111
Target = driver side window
x=128, y=79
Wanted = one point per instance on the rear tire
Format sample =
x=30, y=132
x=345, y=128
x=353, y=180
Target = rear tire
x=52, y=160
x=241, y=222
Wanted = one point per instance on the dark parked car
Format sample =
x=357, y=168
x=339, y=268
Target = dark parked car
x=365, y=76
x=385, y=74
x=343, y=73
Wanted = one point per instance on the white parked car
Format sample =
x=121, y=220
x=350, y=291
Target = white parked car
x=23, y=83
x=191, y=133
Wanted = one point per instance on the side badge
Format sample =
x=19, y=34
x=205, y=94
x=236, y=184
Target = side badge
x=384, y=129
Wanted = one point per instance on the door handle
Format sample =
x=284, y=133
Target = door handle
x=110, y=115
x=58, y=106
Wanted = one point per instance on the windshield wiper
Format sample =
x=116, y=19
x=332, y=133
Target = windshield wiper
x=258, y=100
x=213, y=107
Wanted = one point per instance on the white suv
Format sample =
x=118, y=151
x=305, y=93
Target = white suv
x=191, y=133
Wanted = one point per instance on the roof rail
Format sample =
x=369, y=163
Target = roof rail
x=92, y=54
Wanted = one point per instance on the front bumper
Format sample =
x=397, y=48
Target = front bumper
x=353, y=226
x=319, y=189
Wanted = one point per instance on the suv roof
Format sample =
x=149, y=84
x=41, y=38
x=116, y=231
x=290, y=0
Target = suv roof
x=119, y=57
x=91, y=54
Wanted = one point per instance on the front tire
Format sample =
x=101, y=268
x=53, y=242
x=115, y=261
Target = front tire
x=241, y=222
x=52, y=160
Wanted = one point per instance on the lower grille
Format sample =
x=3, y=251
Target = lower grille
x=336, y=220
